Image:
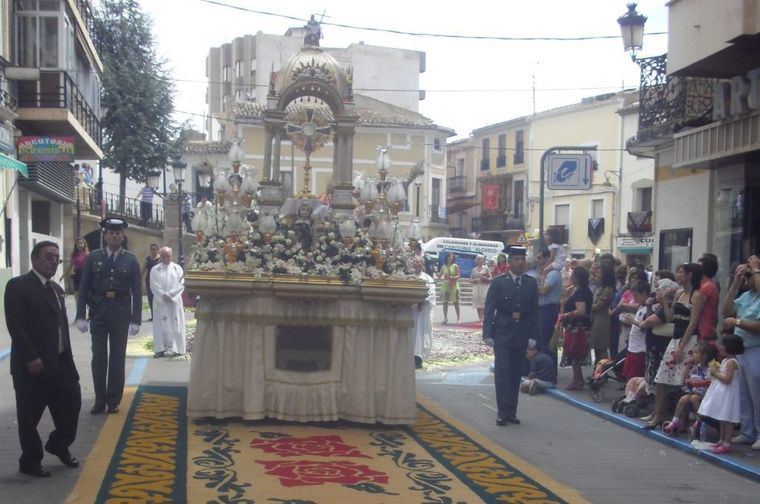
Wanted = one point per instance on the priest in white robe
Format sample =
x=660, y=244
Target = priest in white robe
x=167, y=283
x=423, y=316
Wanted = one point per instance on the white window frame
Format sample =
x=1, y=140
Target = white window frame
x=569, y=214
x=591, y=208
x=238, y=68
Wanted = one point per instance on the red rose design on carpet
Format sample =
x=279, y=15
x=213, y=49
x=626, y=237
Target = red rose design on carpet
x=321, y=446
x=306, y=472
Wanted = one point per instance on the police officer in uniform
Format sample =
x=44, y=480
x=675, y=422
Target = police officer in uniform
x=510, y=320
x=111, y=287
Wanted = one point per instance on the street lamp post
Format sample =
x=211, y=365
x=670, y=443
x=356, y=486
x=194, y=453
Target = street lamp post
x=178, y=166
x=632, y=29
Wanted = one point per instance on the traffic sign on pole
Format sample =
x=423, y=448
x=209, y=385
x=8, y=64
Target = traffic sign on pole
x=569, y=171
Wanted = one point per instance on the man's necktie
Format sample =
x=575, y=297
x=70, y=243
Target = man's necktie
x=517, y=281
x=62, y=324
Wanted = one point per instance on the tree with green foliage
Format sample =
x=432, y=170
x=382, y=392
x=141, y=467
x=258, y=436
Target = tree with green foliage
x=138, y=93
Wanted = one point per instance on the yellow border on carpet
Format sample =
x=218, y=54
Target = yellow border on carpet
x=95, y=467
x=566, y=492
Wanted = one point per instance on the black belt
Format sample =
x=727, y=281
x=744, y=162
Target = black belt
x=111, y=294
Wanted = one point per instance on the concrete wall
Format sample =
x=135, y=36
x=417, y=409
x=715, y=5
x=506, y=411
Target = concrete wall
x=700, y=28
x=682, y=201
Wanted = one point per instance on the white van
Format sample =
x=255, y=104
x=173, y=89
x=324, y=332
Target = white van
x=488, y=248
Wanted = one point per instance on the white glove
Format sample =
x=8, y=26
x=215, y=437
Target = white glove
x=488, y=341
x=134, y=329
x=82, y=325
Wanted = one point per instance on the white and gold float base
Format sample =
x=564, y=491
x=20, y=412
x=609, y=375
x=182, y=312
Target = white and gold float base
x=303, y=349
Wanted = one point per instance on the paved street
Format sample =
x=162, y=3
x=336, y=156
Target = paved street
x=602, y=460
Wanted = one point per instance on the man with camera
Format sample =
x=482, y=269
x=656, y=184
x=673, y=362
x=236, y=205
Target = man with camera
x=743, y=318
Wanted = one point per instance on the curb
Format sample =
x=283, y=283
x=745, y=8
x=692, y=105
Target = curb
x=750, y=472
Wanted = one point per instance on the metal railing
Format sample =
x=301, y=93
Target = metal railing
x=485, y=164
x=518, y=157
x=56, y=89
x=85, y=10
x=130, y=210
x=8, y=101
x=457, y=184
x=669, y=103
x=501, y=161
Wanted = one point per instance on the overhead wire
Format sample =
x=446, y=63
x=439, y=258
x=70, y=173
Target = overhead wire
x=424, y=34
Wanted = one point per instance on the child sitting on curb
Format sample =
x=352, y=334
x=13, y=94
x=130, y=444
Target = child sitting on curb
x=543, y=371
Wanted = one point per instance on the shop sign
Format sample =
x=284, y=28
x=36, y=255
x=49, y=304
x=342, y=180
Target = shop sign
x=635, y=242
x=6, y=139
x=37, y=149
x=737, y=96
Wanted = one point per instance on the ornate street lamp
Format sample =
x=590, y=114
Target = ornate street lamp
x=632, y=29
x=154, y=179
x=178, y=167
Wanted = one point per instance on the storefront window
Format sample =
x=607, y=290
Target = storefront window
x=675, y=248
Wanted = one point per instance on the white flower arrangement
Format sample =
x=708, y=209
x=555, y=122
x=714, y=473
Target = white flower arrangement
x=283, y=252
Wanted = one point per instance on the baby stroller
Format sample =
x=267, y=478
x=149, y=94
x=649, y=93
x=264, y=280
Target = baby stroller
x=635, y=399
x=605, y=369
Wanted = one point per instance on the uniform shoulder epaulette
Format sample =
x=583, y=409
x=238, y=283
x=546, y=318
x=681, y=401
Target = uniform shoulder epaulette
x=127, y=252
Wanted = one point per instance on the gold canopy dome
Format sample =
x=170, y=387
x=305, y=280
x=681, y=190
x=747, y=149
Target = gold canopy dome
x=313, y=72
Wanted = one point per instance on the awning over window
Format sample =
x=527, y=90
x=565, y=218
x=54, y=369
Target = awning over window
x=54, y=180
x=8, y=163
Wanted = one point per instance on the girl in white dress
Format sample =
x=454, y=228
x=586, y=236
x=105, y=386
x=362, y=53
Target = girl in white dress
x=721, y=401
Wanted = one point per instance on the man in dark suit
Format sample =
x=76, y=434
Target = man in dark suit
x=510, y=320
x=42, y=365
x=111, y=286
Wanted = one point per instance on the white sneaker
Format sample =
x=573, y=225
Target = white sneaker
x=756, y=445
x=739, y=439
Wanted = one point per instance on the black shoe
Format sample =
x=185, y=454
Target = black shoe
x=64, y=456
x=34, y=470
x=417, y=362
x=97, y=409
x=513, y=420
x=158, y=355
x=113, y=408
x=501, y=422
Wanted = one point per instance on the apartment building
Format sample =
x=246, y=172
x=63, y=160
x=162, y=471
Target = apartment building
x=56, y=80
x=699, y=111
x=240, y=71
x=462, y=203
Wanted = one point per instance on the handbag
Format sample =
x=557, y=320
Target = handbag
x=575, y=342
x=556, y=341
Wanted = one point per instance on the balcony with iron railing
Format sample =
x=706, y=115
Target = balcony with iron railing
x=85, y=10
x=501, y=161
x=57, y=90
x=8, y=105
x=499, y=221
x=669, y=103
x=457, y=184
x=129, y=209
x=485, y=164
x=518, y=157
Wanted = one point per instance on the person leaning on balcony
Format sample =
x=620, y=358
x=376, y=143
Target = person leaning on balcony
x=146, y=203
x=450, y=287
x=743, y=317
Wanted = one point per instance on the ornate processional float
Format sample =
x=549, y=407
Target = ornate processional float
x=305, y=303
